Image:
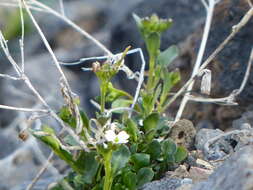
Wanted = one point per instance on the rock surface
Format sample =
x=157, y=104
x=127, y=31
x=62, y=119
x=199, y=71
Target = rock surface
x=166, y=184
x=236, y=173
x=216, y=144
x=183, y=133
x=228, y=68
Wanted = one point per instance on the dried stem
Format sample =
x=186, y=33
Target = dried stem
x=246, y=76
x=140, y=82
x=210, y=9
x=235, y=30
x=15, y=5
x=72, y=24
x=21, y=42
x=62, y=7
x=250, y=3
x=23, y=109
x=41, y=172
x=27, y=81
x=48, y=48
x=9, y=77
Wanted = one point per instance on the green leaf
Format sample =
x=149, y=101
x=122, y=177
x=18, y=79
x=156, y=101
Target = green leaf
x=121, y=103
x=154, y=149
x=156, y=95
x=169, y=148
x=88, y=165
x=120, y=159
x=140, y=160
x=130, y=180
x=108, y=70
x=85, y=119
x=147, y=99
x=67, y=117
x=47, y=136
x=118, y=186
x=98, y=186
x=144, y=175
x=152, y=24
x=150, y=122
x=132, y=129
x=169, y=80
x=150, y=99
x=114, y=94
x=163, y=124
x=12, y=27
x=180, y=154
x=149, y=136
x=167, y=56
x=133, y=148
x=70, y=141
x=151, y=29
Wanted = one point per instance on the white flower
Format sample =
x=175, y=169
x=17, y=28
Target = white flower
x=120, y=138
x=110, y=135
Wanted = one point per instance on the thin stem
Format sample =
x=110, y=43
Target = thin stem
x=202, y=48
x=22, y=36
x=10, y=77
x=72, y=24
x=108, y=171
x=103, y=89
x=140, y=82
x=246, y=76
x=49, y=49
x=27, y=81
x=14, y=5
x=151, y=73
x=235, y=30
x=62, y=7
x=23, y=109
x=250, y=3
x=41, y=172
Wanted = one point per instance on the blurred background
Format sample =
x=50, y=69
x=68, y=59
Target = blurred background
x=111, y=22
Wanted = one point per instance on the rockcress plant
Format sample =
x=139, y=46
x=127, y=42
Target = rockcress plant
x=124, y=151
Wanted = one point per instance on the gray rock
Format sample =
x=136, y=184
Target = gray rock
x=216, y=144
x=236, y=173
x=185, y=187
x=218, y=150
x=203, y=135
x=163, y=184
x=183, y=133
x=204, y=124
x=241, y=123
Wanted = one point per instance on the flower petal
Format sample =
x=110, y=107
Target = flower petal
x=122, y=137
x=110, y=135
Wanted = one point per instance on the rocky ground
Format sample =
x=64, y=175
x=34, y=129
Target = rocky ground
x=220, y=137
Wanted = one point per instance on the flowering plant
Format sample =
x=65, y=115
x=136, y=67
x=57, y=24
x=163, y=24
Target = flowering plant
x=127, y=152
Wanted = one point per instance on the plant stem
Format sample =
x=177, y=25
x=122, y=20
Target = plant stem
x=108, y=171
x=210, y=11
x=151, y=72
x=103, y=88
